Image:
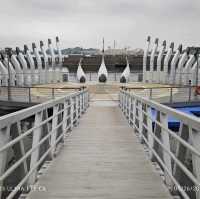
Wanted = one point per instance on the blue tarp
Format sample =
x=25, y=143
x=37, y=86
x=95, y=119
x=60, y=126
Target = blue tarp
x=173, y=123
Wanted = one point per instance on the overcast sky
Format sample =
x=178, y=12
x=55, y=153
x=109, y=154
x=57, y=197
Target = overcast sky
x=85, y=22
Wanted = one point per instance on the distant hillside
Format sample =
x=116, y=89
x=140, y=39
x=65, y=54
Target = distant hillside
x=93, y=51
x=77, y=50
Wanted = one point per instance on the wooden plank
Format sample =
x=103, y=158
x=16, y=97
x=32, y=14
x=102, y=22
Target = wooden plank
x=102, y=158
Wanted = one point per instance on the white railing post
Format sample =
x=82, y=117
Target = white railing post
x=140, y=116
x=54, y=129
x=4, y=139
x=181, y=150
x=122, y=96
x=166, y=143
x=85, y=101
x=79, y=105
x=150, y=131
x=65, y=115
x=87, y=96
x=127, y=105
x=76, y=118
x=72, y=112
x=124, y=103
x=35, y=155
x=134, y=111
x=82, y=102
x=130, y=110
x=121, y=100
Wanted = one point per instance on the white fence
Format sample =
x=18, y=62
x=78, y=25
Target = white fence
x=112, y=76
x=35, y=94
x=167, y=94
x=177, y=152
x=30, y=137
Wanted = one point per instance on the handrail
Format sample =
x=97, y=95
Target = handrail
x=46, y=87
x=49, y=123
x=168, y=94
x=156, y=134
x=156, y=87
x=35, y=93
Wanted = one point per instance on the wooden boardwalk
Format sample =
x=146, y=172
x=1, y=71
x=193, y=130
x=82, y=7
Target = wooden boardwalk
x=102, y=159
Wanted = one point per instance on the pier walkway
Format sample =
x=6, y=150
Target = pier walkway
x=102, y=159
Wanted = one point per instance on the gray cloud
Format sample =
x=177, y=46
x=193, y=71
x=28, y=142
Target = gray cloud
x=85, y=22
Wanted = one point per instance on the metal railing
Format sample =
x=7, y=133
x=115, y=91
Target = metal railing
x=35, y=94
x=166, y=94
x=30, y=137
x=135, y=76
x=176, y=151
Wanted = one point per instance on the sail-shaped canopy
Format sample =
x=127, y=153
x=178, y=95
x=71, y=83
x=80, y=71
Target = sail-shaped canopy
x=80, y=73
x=102, y=73
x=126, y=73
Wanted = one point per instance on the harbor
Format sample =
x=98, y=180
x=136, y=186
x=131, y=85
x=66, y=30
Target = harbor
x=99, y=100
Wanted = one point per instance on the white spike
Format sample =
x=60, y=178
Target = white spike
x=80, y=73
x=102, y=73
x=145, y=56
x=18, y=69
x=187, y=70
x=174, y=64
x=153, y=53
x=157, y=73
x=164, y=73
x=126, y=73
x=26, y=71
x=179, y=69
x=34, y=72
x=39, y=64
x=4, y=74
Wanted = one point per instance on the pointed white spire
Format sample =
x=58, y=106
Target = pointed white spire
x=80, y=73
x=126, y=73
x=103, y=73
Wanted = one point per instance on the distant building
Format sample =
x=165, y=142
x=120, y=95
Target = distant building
x=112, y=51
